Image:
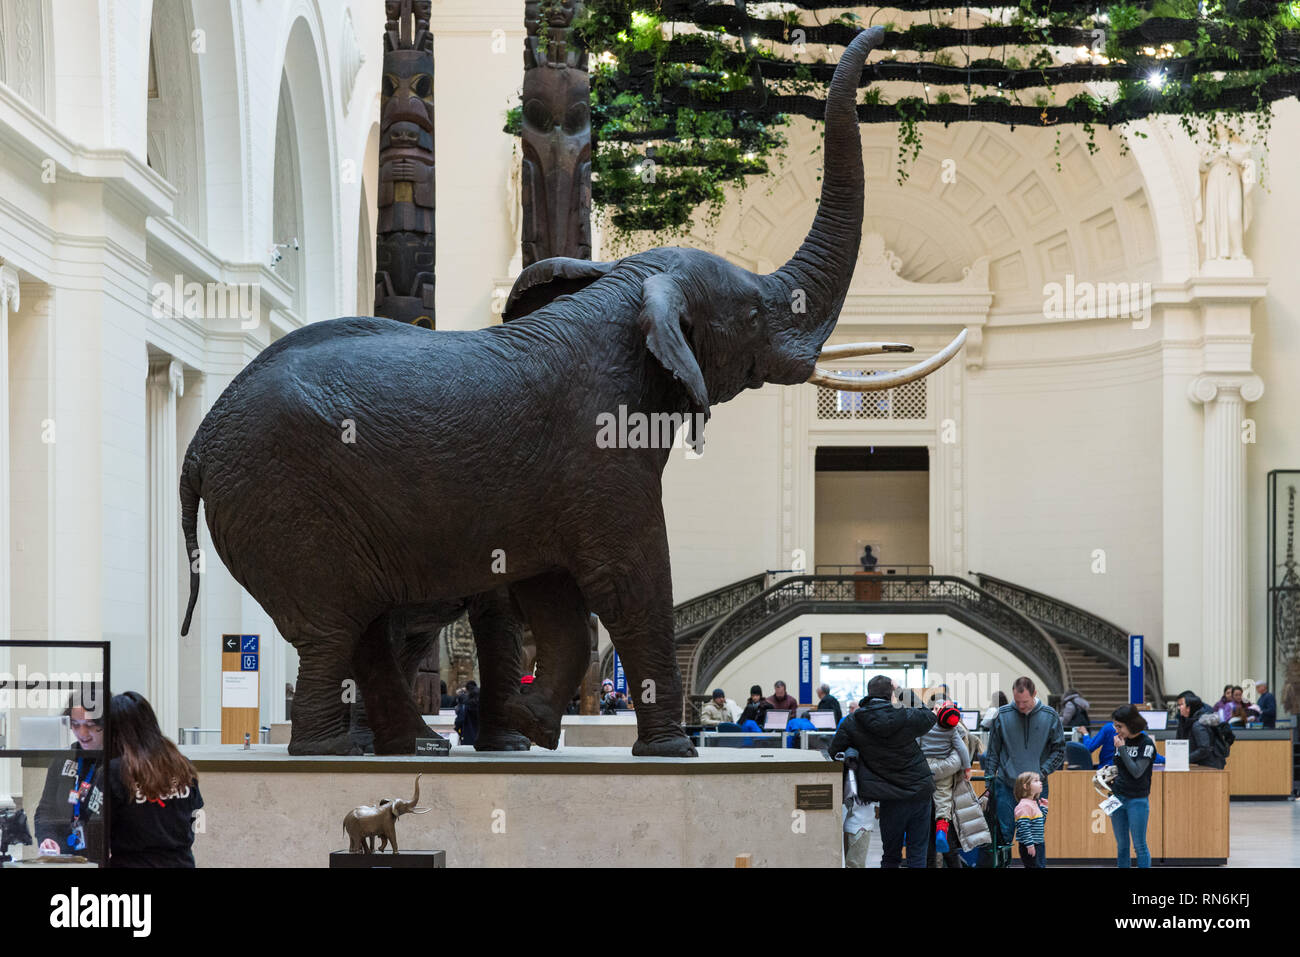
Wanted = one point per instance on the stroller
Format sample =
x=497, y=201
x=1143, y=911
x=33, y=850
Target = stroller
x=997, y=854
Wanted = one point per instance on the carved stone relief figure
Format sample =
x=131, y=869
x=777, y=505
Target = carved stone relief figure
x=1223, y=206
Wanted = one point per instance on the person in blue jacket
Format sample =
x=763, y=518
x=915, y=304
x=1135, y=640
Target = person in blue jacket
x=1105, y=737
x=795, y=726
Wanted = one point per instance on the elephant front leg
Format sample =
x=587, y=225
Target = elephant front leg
x=497, y=637
x=557, y=613
x=638, y=611
x=320, y=705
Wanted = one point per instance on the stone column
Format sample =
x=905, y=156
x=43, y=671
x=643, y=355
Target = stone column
x=166, y=383
x=1223, y=507
x=9, y=299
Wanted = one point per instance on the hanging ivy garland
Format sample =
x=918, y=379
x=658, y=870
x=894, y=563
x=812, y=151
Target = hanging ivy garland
x=689, y=96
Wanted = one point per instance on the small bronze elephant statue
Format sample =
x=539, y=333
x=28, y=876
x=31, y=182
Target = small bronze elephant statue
x=363, y=824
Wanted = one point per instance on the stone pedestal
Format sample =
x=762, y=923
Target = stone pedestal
x=581, y=807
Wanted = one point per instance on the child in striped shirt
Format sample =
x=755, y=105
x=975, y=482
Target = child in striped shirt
x=1031, y=818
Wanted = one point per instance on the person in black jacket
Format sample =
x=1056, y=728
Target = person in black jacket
x=467, y=715
x=1135, y=756
x=828, y=702
x=154, y=789
x=892, y=769
x=69, y=817
x=1198, y=723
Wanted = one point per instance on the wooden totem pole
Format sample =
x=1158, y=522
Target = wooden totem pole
x=556, y=175
x=405, y=253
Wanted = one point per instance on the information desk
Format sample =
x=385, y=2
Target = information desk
x=1259, y=764
x=1188, y=822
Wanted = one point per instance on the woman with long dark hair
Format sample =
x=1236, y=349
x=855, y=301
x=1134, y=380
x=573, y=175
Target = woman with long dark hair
x=154, y=788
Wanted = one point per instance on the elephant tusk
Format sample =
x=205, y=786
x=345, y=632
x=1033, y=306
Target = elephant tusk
x=852, y=349
x=886, y=380
x=421, y=810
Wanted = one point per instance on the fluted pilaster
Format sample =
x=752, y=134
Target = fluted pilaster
x=1223, y=543
x=166, y=383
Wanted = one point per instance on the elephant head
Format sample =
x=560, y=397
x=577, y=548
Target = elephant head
x=719, y=328
x=410, y=807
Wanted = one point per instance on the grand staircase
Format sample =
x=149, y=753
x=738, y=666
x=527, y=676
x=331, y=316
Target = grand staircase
x=1096, y=648
x=1068, y=646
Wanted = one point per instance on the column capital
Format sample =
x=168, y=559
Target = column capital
x=1205, y=388
x=167, y=375
x=9, y=286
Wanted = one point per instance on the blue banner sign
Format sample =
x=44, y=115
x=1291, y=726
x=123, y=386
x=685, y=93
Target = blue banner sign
x=620, y=679
x=1136, y=686
x=805, y=669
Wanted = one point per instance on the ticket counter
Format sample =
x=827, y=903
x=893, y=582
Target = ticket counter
x=1188, y=822
x=1260, y=763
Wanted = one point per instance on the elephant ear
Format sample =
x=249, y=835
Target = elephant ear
x=663, y=320
x=545, y=281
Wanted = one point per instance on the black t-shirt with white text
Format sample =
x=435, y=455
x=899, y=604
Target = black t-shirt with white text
x=1134, y=761
x=156, y=833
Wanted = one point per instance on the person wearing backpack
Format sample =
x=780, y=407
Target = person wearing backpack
x=1199, y=724
x=1074, y=710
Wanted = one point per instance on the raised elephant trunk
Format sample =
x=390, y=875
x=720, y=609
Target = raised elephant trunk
x=823, y=266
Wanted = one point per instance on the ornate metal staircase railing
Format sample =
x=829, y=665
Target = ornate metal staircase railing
x=1075, y=626
x=888, y=594
x=694, y=616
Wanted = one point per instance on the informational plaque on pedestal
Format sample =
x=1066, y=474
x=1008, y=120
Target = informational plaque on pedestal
x=240, y=663
x=1176, y=753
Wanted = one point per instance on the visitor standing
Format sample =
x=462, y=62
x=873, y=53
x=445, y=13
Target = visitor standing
x=1135, y=757
x=1026, y=736
x=1267, y=705
x=155, y=790
x=1031, y=819
x=467, y=715
x=828, y=702
x=1200, y=725
x=892, y=770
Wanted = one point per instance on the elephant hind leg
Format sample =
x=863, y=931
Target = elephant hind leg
x=320, y=705
x=557, y=612
x=390, y=706
x=497, y=637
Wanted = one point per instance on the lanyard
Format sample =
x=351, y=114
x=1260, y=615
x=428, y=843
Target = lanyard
x=76, y=784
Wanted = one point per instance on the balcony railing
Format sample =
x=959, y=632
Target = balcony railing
x=885, y=594
x=1079, y=627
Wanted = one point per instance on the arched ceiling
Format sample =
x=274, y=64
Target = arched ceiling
x=975, y=190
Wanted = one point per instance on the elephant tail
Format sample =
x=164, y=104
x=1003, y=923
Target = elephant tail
x=189, y=527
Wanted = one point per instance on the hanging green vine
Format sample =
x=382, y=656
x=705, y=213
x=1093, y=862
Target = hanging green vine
x=690, y=96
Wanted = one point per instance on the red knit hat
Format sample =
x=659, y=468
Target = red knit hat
x=949, y=716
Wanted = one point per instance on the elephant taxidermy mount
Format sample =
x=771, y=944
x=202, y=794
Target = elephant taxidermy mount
x=362, y=477
x=363, y=824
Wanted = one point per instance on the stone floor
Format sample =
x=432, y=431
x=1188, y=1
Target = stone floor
x=1261, y=834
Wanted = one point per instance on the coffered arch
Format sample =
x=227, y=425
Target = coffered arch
x=976, y=190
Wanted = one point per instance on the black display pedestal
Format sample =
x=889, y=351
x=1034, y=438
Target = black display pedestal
x=388, y=859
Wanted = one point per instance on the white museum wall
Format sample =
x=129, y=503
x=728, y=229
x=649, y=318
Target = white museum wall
x=1049, y=487
x=723, y=508
x=892, y=508
x=1274, y=245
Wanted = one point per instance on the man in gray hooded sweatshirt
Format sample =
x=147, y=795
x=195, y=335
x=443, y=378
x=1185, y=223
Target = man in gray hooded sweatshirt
x=1025, y=736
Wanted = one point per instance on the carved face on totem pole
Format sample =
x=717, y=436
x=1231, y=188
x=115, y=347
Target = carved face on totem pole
x=556, y=164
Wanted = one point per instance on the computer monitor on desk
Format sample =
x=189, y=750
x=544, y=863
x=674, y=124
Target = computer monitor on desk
x=776, y=720
x=1156, y=720
x=971, y=719
x=822, y=720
